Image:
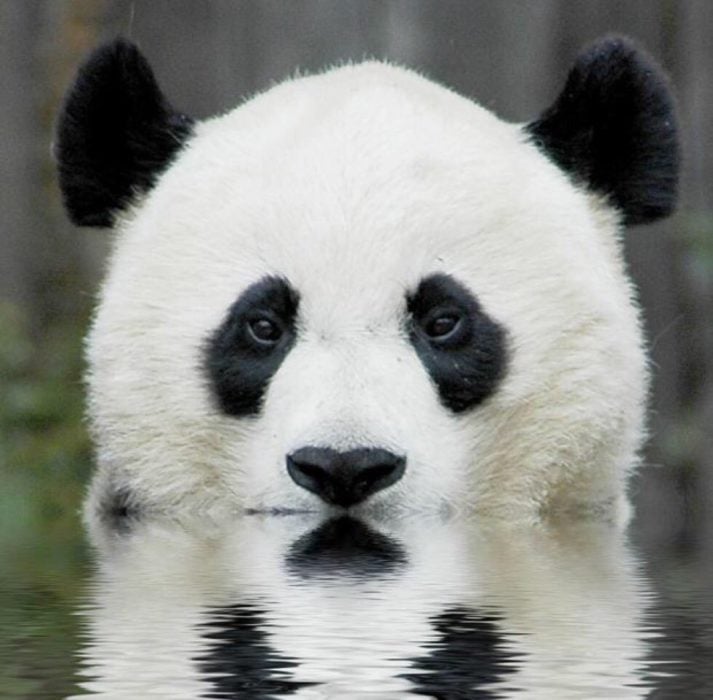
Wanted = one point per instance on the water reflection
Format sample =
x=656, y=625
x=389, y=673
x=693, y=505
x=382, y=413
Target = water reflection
x=240, y=660
x=345, y=547
x=278, y=607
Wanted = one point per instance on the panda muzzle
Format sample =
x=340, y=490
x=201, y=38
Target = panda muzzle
x=344, y=478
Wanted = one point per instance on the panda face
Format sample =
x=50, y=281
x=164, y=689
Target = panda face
x=461, y=349
x=341, y=346
x=357, y=290
x=335, y=315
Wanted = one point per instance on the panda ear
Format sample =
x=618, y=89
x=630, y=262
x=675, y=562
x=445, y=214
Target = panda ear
x=613, y=127
x=116, y=133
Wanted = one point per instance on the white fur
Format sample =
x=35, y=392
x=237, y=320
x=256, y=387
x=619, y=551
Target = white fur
x=354, y=185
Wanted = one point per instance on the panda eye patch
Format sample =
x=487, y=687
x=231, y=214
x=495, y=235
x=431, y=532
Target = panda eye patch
x=461, y=347
x=265, y=330
x=245, y=351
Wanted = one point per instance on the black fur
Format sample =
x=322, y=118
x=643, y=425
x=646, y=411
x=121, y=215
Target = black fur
x=614, y=128
x=116, y=134
x=468, y=364
x=119, y=510
x=239, y=368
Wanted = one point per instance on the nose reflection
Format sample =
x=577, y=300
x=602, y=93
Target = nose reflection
x=345, y=546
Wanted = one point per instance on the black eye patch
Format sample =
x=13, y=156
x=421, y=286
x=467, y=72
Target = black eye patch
x=244, y=353
x=461, y=347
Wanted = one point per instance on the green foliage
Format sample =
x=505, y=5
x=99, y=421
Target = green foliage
x=44, y=464
x=44, y=448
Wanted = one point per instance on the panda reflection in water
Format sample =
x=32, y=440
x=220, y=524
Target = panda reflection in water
x=361, y=290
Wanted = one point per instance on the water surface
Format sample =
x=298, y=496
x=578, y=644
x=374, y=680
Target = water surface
x=294, y=607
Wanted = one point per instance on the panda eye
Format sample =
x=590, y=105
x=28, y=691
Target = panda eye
x=264, y=331
x=443, y=326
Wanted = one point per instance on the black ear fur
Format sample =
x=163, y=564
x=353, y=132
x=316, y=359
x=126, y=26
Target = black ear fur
x=614, y=128
x=116, y=133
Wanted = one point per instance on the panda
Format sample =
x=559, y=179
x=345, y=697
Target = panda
x=359, y=291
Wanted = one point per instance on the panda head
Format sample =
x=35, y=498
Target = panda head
x=361, y=290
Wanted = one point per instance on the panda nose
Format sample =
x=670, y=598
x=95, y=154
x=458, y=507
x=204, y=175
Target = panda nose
x=344, y=478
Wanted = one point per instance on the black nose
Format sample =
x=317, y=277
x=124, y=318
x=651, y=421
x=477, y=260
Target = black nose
x=344, y=478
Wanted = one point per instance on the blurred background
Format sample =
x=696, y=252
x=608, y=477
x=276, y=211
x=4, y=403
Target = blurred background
x=511, y=55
